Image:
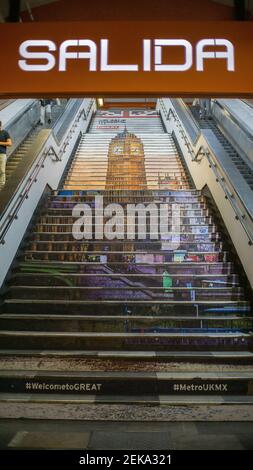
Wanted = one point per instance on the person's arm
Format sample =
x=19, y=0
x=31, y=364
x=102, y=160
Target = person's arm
x=7, y=143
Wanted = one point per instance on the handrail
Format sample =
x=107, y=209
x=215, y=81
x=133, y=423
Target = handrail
x=17, y=116
x=5, y=103
x=230, y=195
x=43, y=154
x=197, y=151
x=19, y=174
x=234, y=119
x=247, y=102
x=183, y=133
x=21, y=124
x=23, y=195
x=190, y=124
x=71, y=131
x=60, y=124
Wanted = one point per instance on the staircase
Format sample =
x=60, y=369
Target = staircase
x=127, y=309
x=164, y=168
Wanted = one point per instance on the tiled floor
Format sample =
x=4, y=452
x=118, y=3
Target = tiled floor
x=42, y=434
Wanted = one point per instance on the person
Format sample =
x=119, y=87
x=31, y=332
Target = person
x=205, y=108
x=208, y=108
x=45, y=111
x=201, y=113
x=5, y=141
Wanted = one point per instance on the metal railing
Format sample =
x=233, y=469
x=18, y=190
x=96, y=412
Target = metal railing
x=12, y=213
x=236, y=121
x=231, y=194
x=198, y=152
x=183, y=134
x=21, y=124
x=188, y=120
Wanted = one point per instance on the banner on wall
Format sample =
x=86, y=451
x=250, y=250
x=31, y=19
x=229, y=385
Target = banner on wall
x=112, y=58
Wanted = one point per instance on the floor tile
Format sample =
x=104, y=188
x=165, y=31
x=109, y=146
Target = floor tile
x=129, y=440
x=49, y=440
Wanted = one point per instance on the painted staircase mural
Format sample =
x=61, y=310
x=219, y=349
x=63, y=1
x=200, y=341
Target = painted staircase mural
x=179, y=293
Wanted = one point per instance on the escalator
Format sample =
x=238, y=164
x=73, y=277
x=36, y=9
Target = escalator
x=248, y=102
x=178, y=296
x=5, y=103
x=17, y=156
x=210, y=123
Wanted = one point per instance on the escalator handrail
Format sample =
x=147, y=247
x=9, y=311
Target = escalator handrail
x=234, y=119
x=59, y=125
x=13, y=204
x=72, y=107
x=201, y=152
x=185, y=115
x=194, y=150
x=188, y=142
x=6, y=103
x=8, y=216
x=21, y=112
x=220, y=179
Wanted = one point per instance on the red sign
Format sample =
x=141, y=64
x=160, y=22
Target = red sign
x=120, y=58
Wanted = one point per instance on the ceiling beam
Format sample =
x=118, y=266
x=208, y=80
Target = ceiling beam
x=240, y=10
x=14, y=11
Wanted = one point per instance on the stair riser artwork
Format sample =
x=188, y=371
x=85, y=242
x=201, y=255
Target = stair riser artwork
x=126, y=255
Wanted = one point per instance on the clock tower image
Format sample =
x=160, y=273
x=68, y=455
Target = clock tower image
x=126, y=163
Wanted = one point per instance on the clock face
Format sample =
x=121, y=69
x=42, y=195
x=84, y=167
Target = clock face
x=118, y=149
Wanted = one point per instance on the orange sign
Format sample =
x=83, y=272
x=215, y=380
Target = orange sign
x=127, y=58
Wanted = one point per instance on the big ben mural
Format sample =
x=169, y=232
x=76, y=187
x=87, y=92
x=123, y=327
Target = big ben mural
x=126, y=164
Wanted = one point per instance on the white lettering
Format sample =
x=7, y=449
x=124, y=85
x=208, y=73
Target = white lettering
x=105, y=67
x=82, y=227
x=160, y=67
x=114, y=227
x=202, y=54
x=26, y=54
x=91, y=54
x=146, y=55
x=32, y=52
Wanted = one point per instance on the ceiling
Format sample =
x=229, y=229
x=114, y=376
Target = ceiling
x=24, y=5
x=31, y=4
x=34, y=3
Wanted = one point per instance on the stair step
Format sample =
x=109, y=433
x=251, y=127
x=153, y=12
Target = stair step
x=143, y=286
x=129, y=301
x=84, y=318
x=112, y=323
x=104, y=305
x=98, y=305
x=214, y=356
x=210, y=401
x=138, y=384
x=125, y=341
